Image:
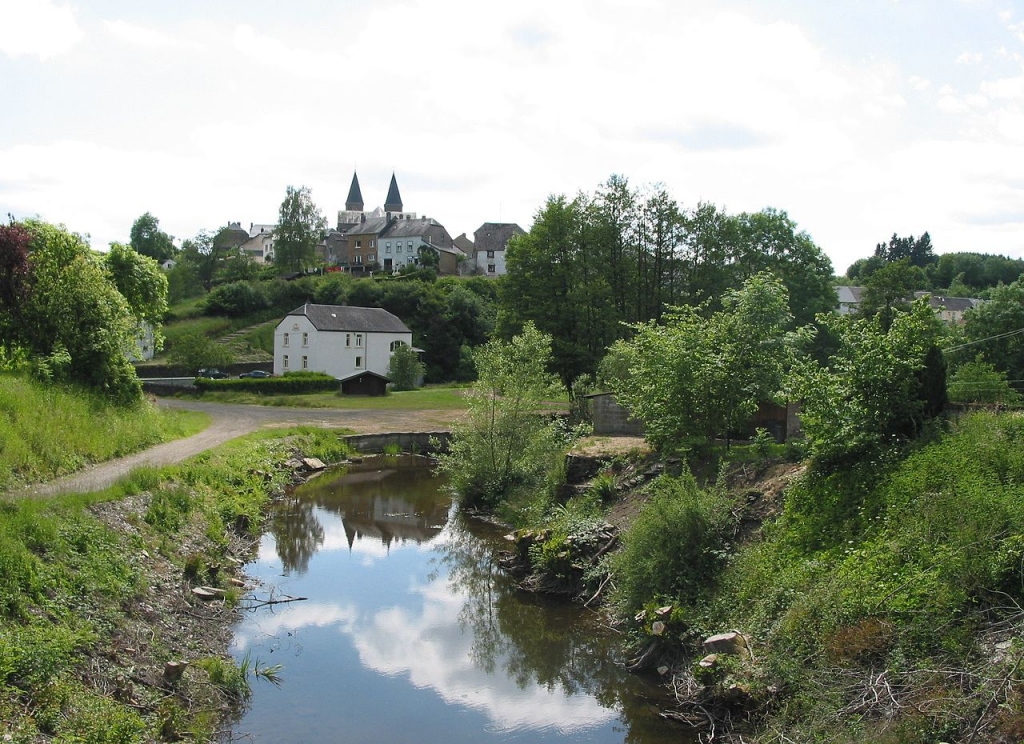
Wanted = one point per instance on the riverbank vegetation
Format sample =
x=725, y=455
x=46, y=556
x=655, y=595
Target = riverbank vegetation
x=52, y=430
x=878, y=600
x=101, y=637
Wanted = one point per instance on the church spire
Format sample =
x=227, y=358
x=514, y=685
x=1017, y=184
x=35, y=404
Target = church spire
x=394, y=201
x=354, y=203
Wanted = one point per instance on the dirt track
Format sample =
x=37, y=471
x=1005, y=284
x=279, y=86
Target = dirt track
x=231, y=421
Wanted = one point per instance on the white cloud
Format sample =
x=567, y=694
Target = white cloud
x=969, y=58
x=141, y=35
x=37, y=28
x=919, y=83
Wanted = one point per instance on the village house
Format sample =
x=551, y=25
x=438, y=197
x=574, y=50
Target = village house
x=388, y=239
x=949, y=309
x=344, y=342
x=489, y=244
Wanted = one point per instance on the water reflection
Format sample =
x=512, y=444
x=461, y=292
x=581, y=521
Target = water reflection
x=412, y=634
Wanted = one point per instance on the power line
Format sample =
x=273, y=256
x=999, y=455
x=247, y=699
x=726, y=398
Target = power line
x=1008, y=334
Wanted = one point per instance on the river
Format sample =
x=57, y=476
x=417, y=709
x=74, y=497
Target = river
x=410, y=633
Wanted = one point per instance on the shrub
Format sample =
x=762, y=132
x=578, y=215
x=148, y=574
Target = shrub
x=676, y=545
x=291, y=383
x=236, y=299
x=406, y=369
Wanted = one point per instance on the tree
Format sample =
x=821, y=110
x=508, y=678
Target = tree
x=80, y=327
x=300, y=228
x=148, y=240
x=506, y=445
x=704, y=377
x=405, y=369
x=14, y=283
x=917, y=251
x=978, y=381
x=872, y=393
x=890, y=289
x=995, y=329
x=194, y=350
x=142, y=282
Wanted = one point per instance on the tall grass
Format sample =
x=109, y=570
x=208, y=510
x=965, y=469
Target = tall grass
x=47, y=431
x=69, y=585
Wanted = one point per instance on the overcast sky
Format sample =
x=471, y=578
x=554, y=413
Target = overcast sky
x=858, y=118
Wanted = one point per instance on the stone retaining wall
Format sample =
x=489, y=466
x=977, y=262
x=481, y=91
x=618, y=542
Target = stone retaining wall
x=416, y=442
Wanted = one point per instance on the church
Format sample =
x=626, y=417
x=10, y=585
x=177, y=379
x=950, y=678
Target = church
x=388, y=239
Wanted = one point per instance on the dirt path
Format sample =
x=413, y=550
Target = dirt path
x=231, y=421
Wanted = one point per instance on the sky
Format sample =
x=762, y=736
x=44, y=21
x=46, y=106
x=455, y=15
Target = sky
x=859, y=119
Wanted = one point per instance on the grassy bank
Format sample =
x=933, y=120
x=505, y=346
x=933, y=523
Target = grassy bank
x=884, y=604
x=95, y=597
x=49, y=431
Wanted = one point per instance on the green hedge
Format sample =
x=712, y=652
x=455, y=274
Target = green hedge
x=290, y=383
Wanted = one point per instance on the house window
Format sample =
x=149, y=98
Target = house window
x=348, y=339
x=490, y=268
x=305, y=339
x=387, y=248
x=373, y=243
x=359, y=362
x=357, y=259
x=359, y=243
x=399, y=249
x=359, y=340
x=490, y=254
x=285, y=340
x=397, y=344
x=305, y=362
x=284, y=361
x=410, y=244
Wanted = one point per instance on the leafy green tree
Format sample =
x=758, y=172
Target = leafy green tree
x=405, y=369
x=149, y=240
x=142, y=282
x=80, y=327
x=871, y=395
x=891, y=289
x=703, y=377
x=995, y=329
x=505, y=445
x=300, y=228
x=14, y=283
x=978, y=381
x=194, y=350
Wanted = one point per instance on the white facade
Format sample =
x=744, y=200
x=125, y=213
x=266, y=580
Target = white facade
x=490, y=263
x=340, y=352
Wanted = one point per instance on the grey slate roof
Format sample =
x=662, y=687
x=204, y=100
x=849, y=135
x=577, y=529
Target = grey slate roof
x=347, y=318
x=494, y=236
x=375, y=225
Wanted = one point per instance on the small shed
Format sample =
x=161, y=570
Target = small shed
x=611, y=419
x=365, y=383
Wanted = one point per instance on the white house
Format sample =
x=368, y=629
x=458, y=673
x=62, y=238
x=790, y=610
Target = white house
x=339, y=340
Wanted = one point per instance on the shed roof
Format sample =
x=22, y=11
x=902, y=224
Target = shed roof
x=348, y=318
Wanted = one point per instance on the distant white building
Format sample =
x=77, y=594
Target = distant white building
x=338, y=339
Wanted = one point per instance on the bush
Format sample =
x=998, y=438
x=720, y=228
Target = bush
x=236, y=299
x=406, y=369
x=291, y=383
x=675, y=547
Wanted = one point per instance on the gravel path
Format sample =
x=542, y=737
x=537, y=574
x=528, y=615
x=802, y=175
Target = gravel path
x=230, y=421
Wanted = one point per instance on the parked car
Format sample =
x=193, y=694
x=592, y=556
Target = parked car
x=213, y=373
x=256, y=373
